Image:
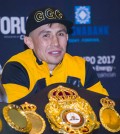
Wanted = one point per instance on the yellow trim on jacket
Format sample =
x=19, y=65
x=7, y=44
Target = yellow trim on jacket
x=70, y=66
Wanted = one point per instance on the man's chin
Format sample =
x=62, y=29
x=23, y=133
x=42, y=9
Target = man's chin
x=55, y=63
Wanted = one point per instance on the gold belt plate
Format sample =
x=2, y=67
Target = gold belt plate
x=109, y=117
x=16, y=118
x=67, y=112
x=38, y=123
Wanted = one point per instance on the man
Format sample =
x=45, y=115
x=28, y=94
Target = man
x=46, y=61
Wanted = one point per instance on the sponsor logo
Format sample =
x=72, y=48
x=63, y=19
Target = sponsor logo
x=82, y=15
x=12, y=27
x=103, y=65
x=83, y=31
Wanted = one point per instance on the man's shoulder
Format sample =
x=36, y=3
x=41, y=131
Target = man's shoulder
x=74, y=58
x=24, y=55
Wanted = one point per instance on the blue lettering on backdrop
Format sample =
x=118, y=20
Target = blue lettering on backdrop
x=88, y=33
x=90, y=30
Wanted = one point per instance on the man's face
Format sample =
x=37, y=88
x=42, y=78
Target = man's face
x=49, y=43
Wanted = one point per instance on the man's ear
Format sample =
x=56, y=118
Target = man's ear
x=67, y=37
x=28, y=42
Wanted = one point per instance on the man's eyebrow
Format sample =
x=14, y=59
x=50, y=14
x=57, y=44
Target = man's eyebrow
x=47, y=31
x=44, y=31
x=63, y=30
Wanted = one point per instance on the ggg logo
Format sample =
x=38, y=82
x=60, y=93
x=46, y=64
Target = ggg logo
x=82, y=15
x=47, y=14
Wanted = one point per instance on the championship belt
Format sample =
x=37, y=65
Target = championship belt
x=23, y=118
x=16, y=118
x=38, y=123
x=67, y=112
x=109, y=117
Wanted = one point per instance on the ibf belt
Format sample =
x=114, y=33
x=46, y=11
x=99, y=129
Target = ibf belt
x=67, y=112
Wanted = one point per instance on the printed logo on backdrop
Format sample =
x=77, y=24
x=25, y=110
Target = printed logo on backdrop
x=12, y=27
x=82, y=15
x=104, y=65
x=84, y=29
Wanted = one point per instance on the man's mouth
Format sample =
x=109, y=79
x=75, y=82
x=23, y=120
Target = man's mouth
x=55, y=53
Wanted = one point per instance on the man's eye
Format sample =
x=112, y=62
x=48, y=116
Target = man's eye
x=46, y=35
x=61, y=34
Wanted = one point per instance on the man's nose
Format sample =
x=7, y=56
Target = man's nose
x=55, y=41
